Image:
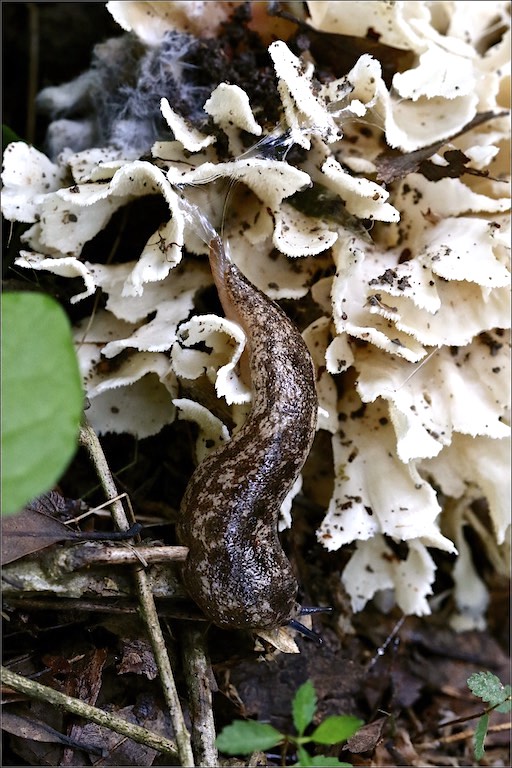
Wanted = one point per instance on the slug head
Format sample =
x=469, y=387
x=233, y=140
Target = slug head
x=245, y=588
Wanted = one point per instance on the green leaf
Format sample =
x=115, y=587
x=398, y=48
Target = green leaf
x=303, y=706
x=304, y=758
x=479, y=737
x=507, y=705
x=488, y=687
x=336, y=728
x=8, y=136
x=42, y=397
x=245, y=736
x=327, y=761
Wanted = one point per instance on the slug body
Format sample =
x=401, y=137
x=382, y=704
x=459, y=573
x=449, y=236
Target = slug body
x=236, y=570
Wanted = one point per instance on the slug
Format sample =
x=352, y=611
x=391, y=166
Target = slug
x=236, y=570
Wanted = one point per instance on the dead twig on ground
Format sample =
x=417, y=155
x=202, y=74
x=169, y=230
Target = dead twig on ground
x=77, y=707
x=90, y=441
x=198, y=675
x=461, y=736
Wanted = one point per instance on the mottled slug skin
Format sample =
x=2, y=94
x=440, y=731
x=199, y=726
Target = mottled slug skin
x=236, y=570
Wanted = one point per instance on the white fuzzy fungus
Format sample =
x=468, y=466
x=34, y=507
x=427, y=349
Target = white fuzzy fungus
x=411, y=318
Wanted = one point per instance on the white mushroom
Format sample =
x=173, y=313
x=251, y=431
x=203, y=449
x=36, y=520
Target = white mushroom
x=414, y=315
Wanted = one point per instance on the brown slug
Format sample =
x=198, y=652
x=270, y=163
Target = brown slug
x=236, y=570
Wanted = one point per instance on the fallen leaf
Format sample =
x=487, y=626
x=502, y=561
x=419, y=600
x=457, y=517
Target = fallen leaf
x=368, y=736
x=137, y=658
x=338, y=53
x=393, y=165
x=119, y=750
x=84, y=683
x=33, y=528
x=456, y=167
x=27, y=728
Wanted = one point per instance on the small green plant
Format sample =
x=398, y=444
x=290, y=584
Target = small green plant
x=245, y=736
x=490, y=689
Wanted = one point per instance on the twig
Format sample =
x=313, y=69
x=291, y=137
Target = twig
x=198, y=675
x=89, y=440
x=81, y=709
x=466, y=718
x=49, y=574
x=462, y=736
x=150, y=614
x=383, y=648
x=83, y=555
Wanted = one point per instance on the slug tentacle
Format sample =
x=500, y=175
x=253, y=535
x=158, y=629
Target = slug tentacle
x=236, y=570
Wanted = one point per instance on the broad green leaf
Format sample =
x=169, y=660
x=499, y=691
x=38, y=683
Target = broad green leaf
x=336, y=728
x=42, y=397
x=306, y=760
x=245, y=736
x=479, y=737
x=488, y=687
x=303, y=706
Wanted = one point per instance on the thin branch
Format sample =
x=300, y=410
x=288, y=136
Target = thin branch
x=52, y=573
x=150, y=615
x=461, y=736
x=77, y=707
x=198, y=674
x=83, y=555
x=89, y=440
x=466, y=718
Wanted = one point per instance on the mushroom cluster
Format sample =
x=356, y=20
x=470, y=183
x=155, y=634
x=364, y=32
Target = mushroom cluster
x=375, y=204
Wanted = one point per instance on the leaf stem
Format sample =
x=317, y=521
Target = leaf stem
x=474, y=716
